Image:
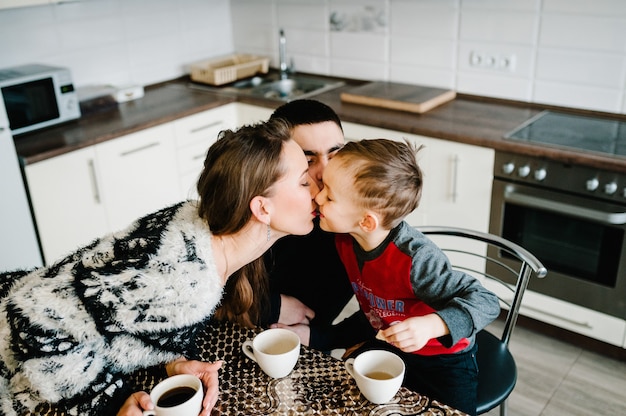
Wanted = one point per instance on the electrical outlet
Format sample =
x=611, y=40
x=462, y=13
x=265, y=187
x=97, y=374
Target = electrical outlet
x=497, y=62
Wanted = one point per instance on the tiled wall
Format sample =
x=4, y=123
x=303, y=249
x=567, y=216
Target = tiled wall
x=562, y=52
x=117, y=42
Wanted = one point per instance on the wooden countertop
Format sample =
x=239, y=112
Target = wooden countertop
x=466, y=119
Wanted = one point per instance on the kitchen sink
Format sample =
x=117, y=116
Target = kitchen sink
x=272, y=87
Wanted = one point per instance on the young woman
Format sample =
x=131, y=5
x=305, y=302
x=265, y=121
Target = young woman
x=135, y=298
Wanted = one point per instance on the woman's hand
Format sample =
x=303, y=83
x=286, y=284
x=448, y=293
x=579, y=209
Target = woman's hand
x=136, y=404
x=293, y=312
x=207, y=372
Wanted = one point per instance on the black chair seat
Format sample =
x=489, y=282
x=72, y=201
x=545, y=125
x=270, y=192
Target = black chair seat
x=507, y=268
x=497, y=372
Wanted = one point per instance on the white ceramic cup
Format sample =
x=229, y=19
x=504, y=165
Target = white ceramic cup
x=378, y=374
x=276, y=350
x=179, y=395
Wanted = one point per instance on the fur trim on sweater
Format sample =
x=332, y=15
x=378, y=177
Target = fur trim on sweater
x=133, y=299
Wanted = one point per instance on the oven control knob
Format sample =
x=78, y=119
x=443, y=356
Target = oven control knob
x=592, y=184
x=508, y=168
x=540, y=174
x=523, y=171
x=610, y=188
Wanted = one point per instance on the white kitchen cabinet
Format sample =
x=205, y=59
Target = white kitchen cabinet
x=194, y=135
x=138, y=174
x=249, y=114
x=67, y=202
x=457, y=179
x=458, y=183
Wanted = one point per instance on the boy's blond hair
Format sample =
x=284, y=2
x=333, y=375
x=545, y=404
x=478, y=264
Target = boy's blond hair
x=386, y=175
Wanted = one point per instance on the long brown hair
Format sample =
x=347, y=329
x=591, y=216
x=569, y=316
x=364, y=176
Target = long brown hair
x=242, y=164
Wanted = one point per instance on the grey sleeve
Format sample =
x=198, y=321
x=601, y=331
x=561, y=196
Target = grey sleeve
x=463, y=303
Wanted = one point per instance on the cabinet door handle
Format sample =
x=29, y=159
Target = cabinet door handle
x=206, y=126
x=139, y=149
x=94, y=181
x=455, y=177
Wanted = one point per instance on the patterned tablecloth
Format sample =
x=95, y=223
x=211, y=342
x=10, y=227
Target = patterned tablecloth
x=318, y=385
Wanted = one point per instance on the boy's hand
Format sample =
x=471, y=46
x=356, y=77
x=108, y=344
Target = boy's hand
x=413, y=333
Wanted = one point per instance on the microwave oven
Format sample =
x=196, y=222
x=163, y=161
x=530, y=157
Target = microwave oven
x=37, y=96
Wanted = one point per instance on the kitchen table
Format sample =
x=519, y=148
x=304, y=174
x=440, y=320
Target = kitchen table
x=318, y=385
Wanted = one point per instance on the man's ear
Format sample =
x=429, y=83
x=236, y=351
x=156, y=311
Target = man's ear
x=260, y=209
x=369, y=222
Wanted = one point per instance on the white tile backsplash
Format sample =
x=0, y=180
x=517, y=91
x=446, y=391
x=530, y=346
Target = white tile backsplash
x=567, y=52
x=303, y=15
x=365, y=70
x=586, y=7
x=358, y=45
x=508, y=5
x=581, y=68
x=577, y=96
x=596, y=33
x=432, y=53
x=499, y=86
x=119, y=42
x=499, y=26
x=435, y=77
x=425, y=19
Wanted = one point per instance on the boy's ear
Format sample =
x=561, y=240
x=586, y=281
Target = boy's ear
x=260, y=209
x=369, y=222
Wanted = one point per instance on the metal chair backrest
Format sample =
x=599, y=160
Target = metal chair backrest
x=507, y=266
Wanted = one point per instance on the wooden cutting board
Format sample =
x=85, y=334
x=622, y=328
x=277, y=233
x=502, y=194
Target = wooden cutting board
x=396, y=96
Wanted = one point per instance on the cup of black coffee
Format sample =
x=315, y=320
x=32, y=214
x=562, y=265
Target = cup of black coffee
x=179, y=395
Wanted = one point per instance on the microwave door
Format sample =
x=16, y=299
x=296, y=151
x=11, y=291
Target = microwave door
x=30, y=103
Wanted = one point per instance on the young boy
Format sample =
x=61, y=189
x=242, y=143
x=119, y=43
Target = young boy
x=423, y=310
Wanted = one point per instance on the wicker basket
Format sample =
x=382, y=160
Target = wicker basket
x=219, y=71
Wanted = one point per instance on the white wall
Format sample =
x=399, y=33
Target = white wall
x=566, y=52
x=117, y=42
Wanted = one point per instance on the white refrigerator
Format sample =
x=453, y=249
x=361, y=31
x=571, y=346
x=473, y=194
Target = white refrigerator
x=19, y=248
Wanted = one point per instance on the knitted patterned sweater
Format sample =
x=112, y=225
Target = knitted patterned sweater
x=133, y=299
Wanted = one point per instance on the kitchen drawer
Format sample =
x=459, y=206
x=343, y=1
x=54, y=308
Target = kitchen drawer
x=190, y=163
x=205, y=126
x=568, y=316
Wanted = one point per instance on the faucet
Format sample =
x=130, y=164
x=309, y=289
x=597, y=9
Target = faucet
x=284, y=71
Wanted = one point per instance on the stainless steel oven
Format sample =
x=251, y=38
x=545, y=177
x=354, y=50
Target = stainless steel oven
x=573, y=218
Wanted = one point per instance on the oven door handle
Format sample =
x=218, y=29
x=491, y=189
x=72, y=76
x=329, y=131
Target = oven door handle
x=601, y=212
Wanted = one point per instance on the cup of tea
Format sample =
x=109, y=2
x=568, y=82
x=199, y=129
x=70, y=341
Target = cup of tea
x=276, y=350
x=179, y=395
x=378, y=374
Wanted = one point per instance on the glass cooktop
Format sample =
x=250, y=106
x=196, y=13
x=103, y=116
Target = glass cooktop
x=584, y=133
